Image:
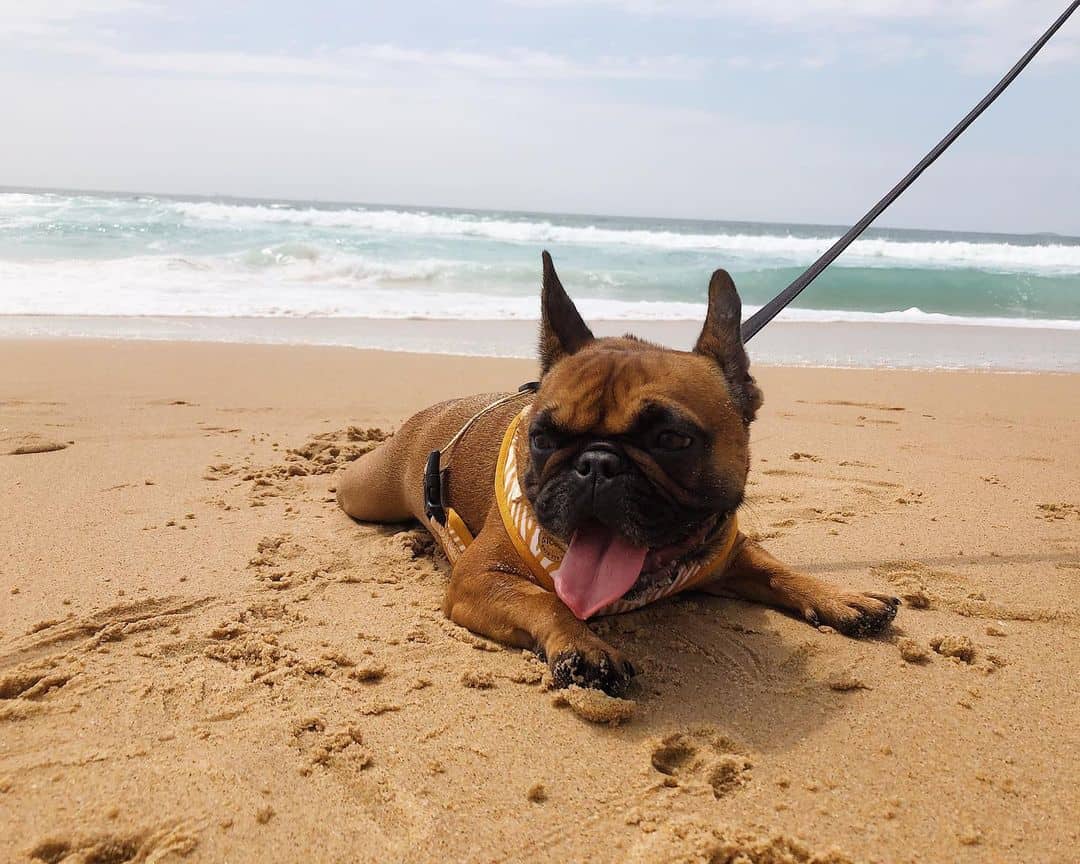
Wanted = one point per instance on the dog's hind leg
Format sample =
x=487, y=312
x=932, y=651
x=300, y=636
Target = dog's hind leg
x=372, y=488
x=387, y=484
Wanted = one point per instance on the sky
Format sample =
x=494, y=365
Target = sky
x=789, y=111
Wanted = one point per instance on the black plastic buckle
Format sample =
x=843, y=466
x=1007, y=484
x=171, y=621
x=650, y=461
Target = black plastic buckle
x=433, y=489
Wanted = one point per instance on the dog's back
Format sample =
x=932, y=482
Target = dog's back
x=386, y=485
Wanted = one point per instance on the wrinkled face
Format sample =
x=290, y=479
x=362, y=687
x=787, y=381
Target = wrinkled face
x=644, y=441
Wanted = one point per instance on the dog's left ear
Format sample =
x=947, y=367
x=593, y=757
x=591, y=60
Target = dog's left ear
x=562, y=332
x=721, y=340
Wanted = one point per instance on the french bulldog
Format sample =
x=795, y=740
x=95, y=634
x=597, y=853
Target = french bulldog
x=612, y=483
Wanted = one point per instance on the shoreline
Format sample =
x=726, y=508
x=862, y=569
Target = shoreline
x=826, y=345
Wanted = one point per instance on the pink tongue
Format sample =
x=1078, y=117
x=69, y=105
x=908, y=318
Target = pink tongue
x=598, y=568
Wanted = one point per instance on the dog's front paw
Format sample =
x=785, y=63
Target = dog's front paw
x=854, y=614
x=598, y=667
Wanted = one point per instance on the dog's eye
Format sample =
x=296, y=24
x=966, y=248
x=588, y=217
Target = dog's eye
x=542, y=441
x=669, y=440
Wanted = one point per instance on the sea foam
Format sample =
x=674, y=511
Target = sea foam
x=1000, y=256
x=270, y=283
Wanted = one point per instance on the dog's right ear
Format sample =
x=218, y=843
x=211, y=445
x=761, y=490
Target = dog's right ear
x=562, y=332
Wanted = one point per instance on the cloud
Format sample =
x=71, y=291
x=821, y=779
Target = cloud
x=523, y=63
x=825, y=13
x=29, y=18
x=73, y=28
x=381, y=62
x=978, y=36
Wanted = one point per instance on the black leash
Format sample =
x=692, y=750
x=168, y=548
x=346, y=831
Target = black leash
x=769, y=311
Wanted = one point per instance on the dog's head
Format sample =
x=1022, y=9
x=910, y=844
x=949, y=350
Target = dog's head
x=637, y=452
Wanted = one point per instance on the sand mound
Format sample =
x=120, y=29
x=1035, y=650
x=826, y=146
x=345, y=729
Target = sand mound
x=689, y=841
x=912, y=650
x=327, y=452
x=595, y=705
x=846, y=680
x=951, y=645
x=478, y=679
x=321, y=454
x=145, y=847
x=30, y=444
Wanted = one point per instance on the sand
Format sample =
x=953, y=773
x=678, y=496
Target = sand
x=202, y=659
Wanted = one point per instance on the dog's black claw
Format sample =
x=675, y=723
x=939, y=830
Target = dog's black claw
x=573, y=667
x=872, y=623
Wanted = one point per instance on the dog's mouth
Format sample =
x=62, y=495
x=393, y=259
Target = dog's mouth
x=600, y=566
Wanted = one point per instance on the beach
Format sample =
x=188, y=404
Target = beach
x=202, y=658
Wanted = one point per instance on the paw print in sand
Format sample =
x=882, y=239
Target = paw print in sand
x=702, y=756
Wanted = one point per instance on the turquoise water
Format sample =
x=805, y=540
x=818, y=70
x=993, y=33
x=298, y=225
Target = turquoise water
x=137, y=255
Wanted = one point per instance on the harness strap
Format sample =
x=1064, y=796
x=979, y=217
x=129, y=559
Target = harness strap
x=529, y=387
x=443, y=520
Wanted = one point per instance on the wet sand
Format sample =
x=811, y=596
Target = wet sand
x=834, y=344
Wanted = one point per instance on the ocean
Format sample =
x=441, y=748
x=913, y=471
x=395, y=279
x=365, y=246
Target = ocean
x=130, y=258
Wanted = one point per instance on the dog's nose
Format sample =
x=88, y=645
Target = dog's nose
x=599, y=463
